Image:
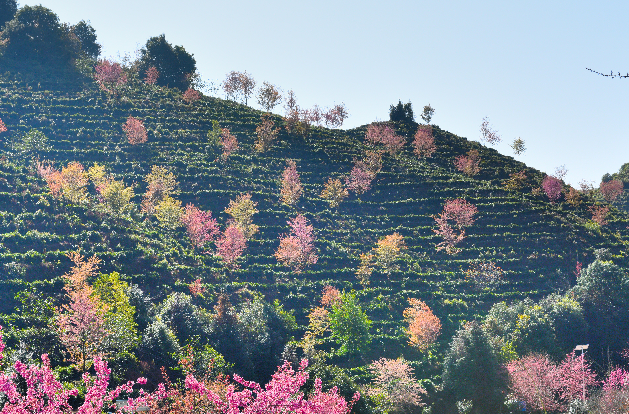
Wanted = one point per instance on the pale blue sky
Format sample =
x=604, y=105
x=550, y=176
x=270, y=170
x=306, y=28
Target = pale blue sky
x=520, y=63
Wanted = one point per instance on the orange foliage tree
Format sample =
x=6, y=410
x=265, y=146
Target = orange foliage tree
x=423, y=326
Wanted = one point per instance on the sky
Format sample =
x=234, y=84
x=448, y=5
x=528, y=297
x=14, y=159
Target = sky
x=522, y=64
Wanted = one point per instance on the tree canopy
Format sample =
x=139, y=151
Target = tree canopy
x=174, y=64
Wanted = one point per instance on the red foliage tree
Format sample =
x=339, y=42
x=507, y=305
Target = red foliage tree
x=297, y=249
x=611, y=190
x=552, y=186
x=456, y=215
x=599, y=214
x=200, y=225
x=291, y=184
x=230, y=246
x=135, y=130
x=424, y=142
x=468, y=164
x=191, y=96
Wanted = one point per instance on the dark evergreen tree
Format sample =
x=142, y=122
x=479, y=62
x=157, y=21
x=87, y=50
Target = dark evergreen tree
x=35, y=35
x=401, y=112
x=174, y=64
x=471, y=371
x=8, y=8
x=87, y=36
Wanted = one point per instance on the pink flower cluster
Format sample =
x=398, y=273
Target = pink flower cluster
x=281, y=395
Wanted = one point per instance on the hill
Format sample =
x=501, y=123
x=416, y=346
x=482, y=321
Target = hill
x=536, y=243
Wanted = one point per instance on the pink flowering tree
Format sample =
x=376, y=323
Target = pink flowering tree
x=393, y=380
x=230, y=246
x=547, y=386
x=552, y=186
x=384, y=134
x=45, y=394
x=3, y=127
x=424, y=142
x=599, y=214
x=451, y=223
x=200, y=225
x=611, y=190
x=468, y=164
x=291, y=184
x=110, y=76
x=228, y=142
x=281, y=395
x=297, y=249
x=360, y=178
x=151, y=76
x=135, y=130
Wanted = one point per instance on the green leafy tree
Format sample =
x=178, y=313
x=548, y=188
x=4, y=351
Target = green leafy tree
x=119, y=317
x=176, y=67
x=472, y=371
x=87, y=37
x=35, y=35
x=349, y=325
x=8, y=8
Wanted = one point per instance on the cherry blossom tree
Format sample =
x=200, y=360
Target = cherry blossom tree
x=451, y=223
x=135, y=130
x=281, y=395
x=3, y=127
x=393, y=379
x=291, y=184
x=297, y=250
x=424, y=142
x=423, y=326
x=384, y=134
x=200, y=225
x=552, y=186
x=468, y=164
x=80, y=323
x=110, y=76
x=611, y=190
x=151, y=76
x=359, y=179
x=228, y=142
x=230, y=246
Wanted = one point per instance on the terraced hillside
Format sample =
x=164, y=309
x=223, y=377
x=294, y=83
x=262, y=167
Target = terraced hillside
x=535, y=242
